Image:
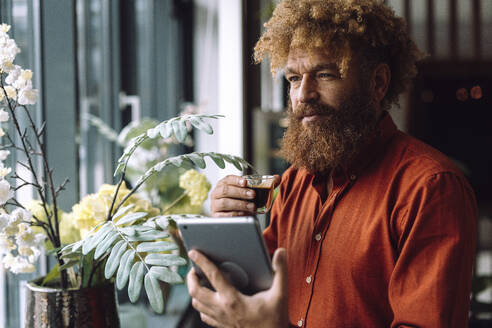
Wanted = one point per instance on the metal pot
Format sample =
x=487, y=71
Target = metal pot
x=51, y=307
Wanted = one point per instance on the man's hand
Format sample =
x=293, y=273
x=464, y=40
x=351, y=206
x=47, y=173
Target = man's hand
x=231, y=197
x=227, y=307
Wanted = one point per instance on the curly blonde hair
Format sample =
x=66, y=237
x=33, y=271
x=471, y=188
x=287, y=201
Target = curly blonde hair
x=343, y=28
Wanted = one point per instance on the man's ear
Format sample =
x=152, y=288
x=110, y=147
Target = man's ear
x=380, y=80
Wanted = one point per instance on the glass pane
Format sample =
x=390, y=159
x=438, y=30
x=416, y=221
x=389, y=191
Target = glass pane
x=418, y=14
x=94, y=151
x=486, y=14
x=442, y=15
x=465, y=29
x=397, y=6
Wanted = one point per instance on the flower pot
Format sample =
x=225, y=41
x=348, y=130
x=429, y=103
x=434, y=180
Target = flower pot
x=52, y=307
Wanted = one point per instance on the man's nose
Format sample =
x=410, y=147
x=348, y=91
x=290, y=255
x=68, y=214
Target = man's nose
x=308, y=92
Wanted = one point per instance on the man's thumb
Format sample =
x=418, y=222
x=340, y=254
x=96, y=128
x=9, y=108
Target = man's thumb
x=279, y=265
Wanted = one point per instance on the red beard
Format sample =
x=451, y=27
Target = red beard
x=332, y=140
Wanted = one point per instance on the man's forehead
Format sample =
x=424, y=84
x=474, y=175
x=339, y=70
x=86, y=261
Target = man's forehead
x=317, y=57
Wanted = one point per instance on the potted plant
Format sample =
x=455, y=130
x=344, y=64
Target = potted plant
x=123, y=238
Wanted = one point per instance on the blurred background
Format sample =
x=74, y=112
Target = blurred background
x=124, y=60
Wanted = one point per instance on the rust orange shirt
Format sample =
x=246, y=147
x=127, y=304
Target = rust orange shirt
x=391, y=246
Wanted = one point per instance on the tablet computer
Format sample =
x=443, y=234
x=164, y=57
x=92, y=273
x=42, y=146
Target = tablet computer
x=235, y=245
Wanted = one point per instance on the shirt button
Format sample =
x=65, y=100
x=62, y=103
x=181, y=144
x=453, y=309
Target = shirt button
x=299, y=323
x=309, y=279
x=353, y=177
x=318, y=237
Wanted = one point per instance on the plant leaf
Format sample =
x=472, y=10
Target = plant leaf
x=197, y=159
x=162, y=222
x=91, y=242
x=233, y=161
x=164, y=259
x=200, y=124
x=122, y=211
x=154, y=293
x=114, y=258
x=156, y=246
x=136, y=281
x=217, y=159
x=130, y=218
x=67, y=265
x=166, y=275
x=132, y=145
x=148, y=236
x=54, y=273
x=105, y=244
x=124, y=268
x=179, y=129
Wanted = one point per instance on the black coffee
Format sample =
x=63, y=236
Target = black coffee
x=261, y=196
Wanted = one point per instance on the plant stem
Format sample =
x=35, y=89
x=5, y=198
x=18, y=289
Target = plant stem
x=55, y=235
x=110, y=212
x=177, y=200
x=51, y=187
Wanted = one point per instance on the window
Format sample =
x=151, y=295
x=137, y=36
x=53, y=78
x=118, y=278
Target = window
x=117, y=60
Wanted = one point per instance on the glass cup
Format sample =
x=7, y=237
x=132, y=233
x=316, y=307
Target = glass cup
x=263, y=187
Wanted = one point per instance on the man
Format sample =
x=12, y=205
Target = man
x=376, y=228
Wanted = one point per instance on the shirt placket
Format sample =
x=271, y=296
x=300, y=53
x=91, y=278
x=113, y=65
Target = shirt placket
x=321, y=226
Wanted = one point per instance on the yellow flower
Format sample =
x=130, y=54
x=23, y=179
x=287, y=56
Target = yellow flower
x=68, y=231
x=89, y=212
x=93, y=209
x=184, y=206
x=196, y=186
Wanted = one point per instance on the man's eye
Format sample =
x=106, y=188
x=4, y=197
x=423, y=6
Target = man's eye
x=293, y=79
x=326, y=75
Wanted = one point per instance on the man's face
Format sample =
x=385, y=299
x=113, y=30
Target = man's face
x=331, y=117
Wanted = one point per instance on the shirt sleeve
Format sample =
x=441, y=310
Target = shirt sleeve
x=431, y=281
x=270, y=234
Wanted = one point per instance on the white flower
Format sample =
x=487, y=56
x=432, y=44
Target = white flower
x=6, y=245
x=4, y=220
x=4, y=154
x=20, y=78
x=5, y=192
x=28, y=96
x=4, y=115
x=11, y=92
x=8, y=260
x=4, y=170
x=5, y=28
x=13, y=75
x=22, y=215
x=8, y=51
x=26, y=75
x=25, y=237
x=32, y=253
x=17, y=264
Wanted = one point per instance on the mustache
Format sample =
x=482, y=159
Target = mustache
x=308, y=109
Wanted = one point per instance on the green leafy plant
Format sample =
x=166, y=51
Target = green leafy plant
x=130, y=247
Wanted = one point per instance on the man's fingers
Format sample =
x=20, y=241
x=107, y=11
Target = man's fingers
x=231, y=205
x=211, y=271
x=209, y=320
x=232, y=191
x=202, y=307
x=233, y=180
x=279, y=265
x=203, y=294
